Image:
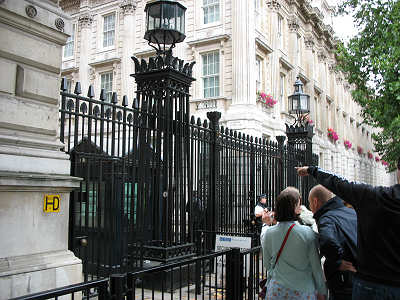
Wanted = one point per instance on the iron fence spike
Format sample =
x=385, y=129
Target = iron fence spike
x=78, y=89
x=90, y=92
x=125, y=101
x=63, y=84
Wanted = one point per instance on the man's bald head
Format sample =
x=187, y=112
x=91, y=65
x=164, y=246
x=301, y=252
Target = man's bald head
x=318, y=196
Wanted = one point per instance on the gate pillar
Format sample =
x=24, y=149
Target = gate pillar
x=299, y=147
x=163, y=84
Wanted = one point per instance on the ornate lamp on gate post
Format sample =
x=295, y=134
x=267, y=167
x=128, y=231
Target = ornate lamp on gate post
x=300, y=133
x=163, y=84
x=165, y=24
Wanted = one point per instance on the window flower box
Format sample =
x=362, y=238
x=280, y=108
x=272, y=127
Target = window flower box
x=347, y=144
x=332, y=135
x=266, y=99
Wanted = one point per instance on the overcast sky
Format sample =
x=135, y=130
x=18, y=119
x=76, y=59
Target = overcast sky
x=343, y=25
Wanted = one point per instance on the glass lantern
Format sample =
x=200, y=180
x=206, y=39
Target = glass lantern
x=165, y=22
x=299, y=102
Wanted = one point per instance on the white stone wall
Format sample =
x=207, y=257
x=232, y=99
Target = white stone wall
x=34, y=252
x=246, y=30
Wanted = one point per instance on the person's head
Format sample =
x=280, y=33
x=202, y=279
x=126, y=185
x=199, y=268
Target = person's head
x=318, y=196
x=262, y=198
x=287, y=205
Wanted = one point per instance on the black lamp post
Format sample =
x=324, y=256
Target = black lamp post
x=163, y=84
x=299, y=136
x=165, y=24
x=299, y=102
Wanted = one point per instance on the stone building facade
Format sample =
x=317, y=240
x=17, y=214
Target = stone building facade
x=241, y=48
x=35, y=181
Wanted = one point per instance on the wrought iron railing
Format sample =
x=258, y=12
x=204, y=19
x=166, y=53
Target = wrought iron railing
x=97, y=289
x=152, y=177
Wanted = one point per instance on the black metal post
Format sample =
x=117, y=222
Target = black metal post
x=117, y=286
x=234, y=275
x=214, y=159
x=252, y=182
x=281, y=162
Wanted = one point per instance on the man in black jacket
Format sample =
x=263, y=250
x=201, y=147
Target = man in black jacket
x=337, y=227
x=378, y=212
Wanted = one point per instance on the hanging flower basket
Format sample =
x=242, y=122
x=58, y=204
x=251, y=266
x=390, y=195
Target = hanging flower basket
x=370, y=156
x=384, y=162
x=266, y=99
x=360, y=150
x=332, y=135
x=347, y=144
x=377, y=158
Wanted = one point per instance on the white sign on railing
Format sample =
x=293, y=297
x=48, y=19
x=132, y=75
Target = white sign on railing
x=223, y=242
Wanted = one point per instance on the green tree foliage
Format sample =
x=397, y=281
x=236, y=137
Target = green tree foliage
x=371, y=61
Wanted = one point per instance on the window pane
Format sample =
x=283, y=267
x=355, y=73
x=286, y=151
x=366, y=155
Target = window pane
x=108, y=30
x=69, y=46
x=210, y=11
x=106, y=84
x=210, y=74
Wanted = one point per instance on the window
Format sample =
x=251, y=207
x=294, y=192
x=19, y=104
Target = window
x=69, y=46
x=282, y=91
x=280, y=32
x=210, y=11
x=210, y=74
x=109, y=30
x=259, y=75
x=106, y=84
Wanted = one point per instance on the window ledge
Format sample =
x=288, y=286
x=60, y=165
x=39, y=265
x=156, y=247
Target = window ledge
x=205, y=99
x=208, y=40
x=210, y=25
x=106, y=49
x=104, y=62
x=286, y=64
x=207, y=103
x=263, y=45
x=67, y=59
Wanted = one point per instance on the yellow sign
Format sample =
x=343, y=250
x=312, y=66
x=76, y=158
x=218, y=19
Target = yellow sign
x=51, y=203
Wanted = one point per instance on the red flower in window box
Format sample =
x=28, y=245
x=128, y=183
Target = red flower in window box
x=332, y=135
x=266, y=99
x=347, y=144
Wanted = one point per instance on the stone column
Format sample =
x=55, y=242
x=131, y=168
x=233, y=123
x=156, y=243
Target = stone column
x=128, y=12
x=34, y=253
x=243, y=53
x=84, y=22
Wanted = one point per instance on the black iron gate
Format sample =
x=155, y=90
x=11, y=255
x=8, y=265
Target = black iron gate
x=152, y=176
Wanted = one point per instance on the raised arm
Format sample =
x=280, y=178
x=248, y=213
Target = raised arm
x=351, y=192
